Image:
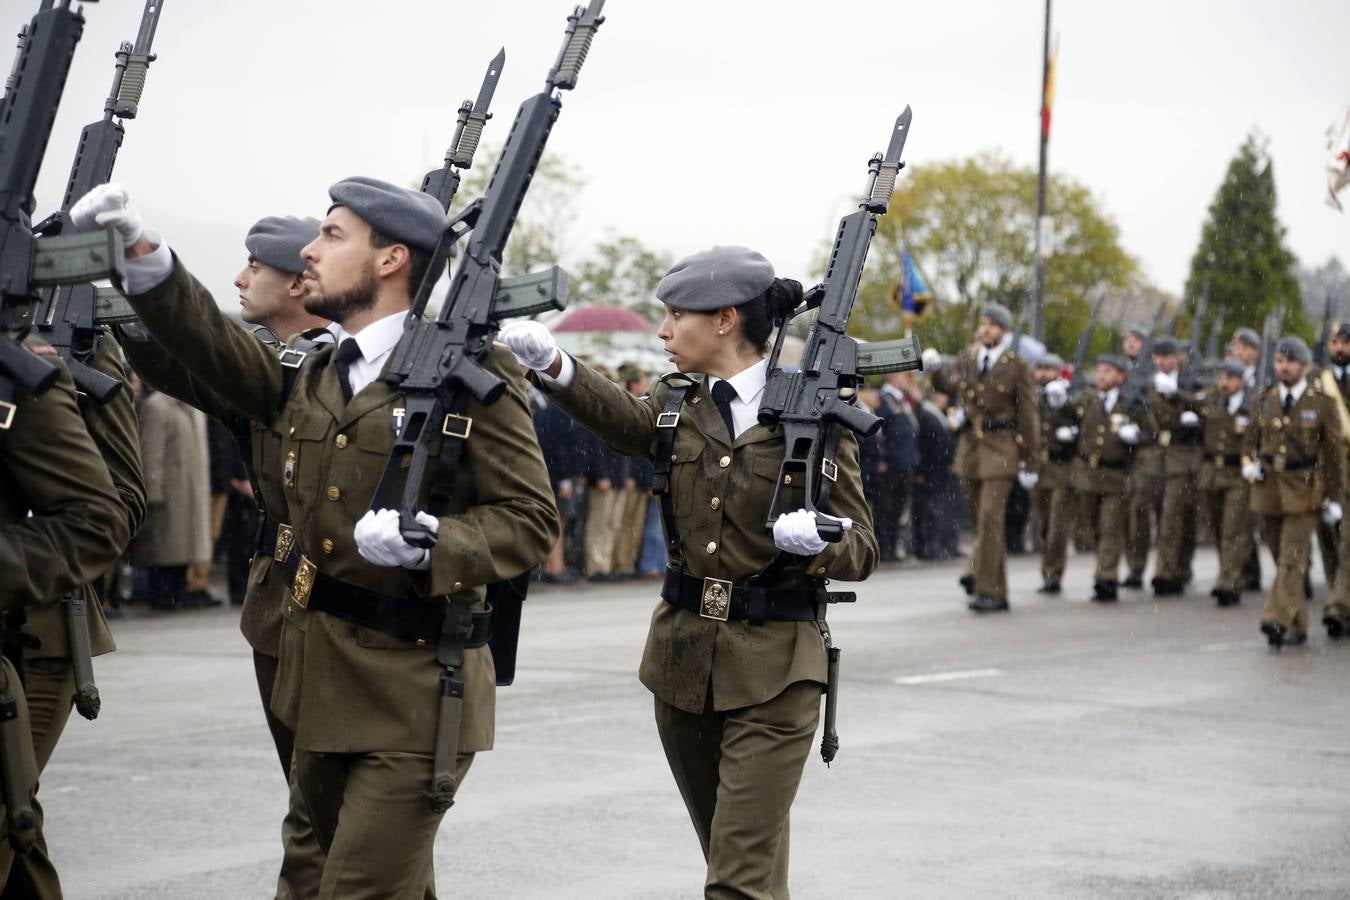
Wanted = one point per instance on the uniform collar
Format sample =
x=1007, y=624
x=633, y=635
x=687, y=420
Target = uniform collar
x=748, y=383
x=996, y=352
x=1234, y=402
x=1297, y=390
x=377, y=338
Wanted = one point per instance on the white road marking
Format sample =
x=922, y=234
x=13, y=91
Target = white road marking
x=1230, y=645
x=939, y=677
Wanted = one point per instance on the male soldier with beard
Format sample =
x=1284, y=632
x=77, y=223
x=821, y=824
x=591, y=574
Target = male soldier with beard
x=1295, y=457
x=996, y=402
x=1225, y=495
x=1179, y=442
x=372, y=620
x=1336, y=618
x=271, y=295
x=1051, y=497
x=1143, y=479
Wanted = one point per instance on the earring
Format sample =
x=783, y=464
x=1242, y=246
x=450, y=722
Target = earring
x=719, y=331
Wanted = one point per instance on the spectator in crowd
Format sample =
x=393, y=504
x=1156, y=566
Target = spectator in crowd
x=895, y=469
x=937, y=492
x=235, y=520
x=562, y=442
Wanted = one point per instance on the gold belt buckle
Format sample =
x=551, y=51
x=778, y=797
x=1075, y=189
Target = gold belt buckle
x=716, y=600
x=285, y=541
x=304, y=582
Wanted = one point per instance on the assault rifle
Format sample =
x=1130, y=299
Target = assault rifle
x=29, y=263
x=815, y=401
x=66, y=317
x=1191, y=380
x=1215, y=336
x=1135, y=391
x=1265, y=363
x=1324, y=335
x=443, y=183
x=438, y=363
x=1084, y=339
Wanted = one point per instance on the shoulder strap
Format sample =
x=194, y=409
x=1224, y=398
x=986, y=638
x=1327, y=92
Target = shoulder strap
x=292, y=356
x=664, y=448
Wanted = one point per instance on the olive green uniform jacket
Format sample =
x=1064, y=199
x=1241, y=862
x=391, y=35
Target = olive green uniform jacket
x=1302, y=456
x=1055, y=461
x=1224, y=435
x=1002, y=429
x=1103, y=458
x=51, y=466
x=721, y=493
x=267, y=593
x=343, y=688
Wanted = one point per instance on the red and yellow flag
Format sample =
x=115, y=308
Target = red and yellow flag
x=1048, y=96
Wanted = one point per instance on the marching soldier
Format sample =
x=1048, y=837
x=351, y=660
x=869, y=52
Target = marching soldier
x=997, y=408
x=736, y=654
x=1052, y=497
x=1336, y=617
x=271, y=294
x=1246, y=348
x=1179, y=444
x=1295, y=457
x=1144, y=473
x=62, y=525
x=1106, y=432
x=1131, y=345
x=1225, y=493
x=370, y=618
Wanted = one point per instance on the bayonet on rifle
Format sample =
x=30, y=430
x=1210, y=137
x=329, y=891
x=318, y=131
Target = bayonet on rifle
x=442, y=183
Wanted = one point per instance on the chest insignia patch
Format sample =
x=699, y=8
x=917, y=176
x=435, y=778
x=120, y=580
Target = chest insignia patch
x=1308, y=416
x=288, y=470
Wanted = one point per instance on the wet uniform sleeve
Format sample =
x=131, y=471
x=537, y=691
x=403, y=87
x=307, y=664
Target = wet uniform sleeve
x=855, y=556
x=78, y=526
x=624, y=422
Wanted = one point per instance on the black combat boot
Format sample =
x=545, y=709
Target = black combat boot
x=1104, y=592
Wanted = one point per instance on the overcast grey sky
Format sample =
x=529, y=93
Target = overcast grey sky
x=728, y=122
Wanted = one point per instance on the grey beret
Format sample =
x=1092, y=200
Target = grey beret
x=1050, y=361
x=1113, y=361
x=716, y=278
x=1294, y=348
x=1138, y=331
x=1233, y=367
x=1165, y=344
x=408, y=216
x=1247, y=336
x=998, y=314
x=277, y=241
x=1342, y=330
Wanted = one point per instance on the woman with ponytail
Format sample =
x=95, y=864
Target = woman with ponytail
x=736, y=652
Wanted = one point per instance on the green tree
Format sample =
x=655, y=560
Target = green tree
x=968, y=224
x=622, y=271
x=1241, y=257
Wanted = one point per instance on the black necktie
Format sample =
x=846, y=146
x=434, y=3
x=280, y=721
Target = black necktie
x=984, y=364
x=348, y=352
x=722, y=394
x=1288, y=402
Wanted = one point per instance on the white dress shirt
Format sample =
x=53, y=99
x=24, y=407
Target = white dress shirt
x=1234, y=403
x=377, y=341
x=992, y=354
x=1109, y=399
x=1297, y=391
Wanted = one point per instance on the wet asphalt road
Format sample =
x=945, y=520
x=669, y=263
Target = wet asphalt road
x=1143, y=750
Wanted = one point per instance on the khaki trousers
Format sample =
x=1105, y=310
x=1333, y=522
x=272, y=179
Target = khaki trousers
x=1231, y=523
x=1338, y=597
x=738, y=772
x=604, y=511
x=22, y=886
x=1176, y=529
x=1106, y=512
x=50, y=686
x=1143, y=504
x=1054, y=518
x=1290, y=541
x=372, y=818
x=632, y=517
x=989, y=559
x=301, y=855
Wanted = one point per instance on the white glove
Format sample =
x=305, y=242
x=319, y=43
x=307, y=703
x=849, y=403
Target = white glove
x=795, y=532
x=108, y=204
x=956, y=418
x=379, y=541
x=1164, y=384
x=533, y=344
x=1027, y=479
x=1189, y=419
x=1332, y=514
x=1066, y=434
x=931, y=359
x=1129, y=434
x=1251, y=471
x=1056, y=393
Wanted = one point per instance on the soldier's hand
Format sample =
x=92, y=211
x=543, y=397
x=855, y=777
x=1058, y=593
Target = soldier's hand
x=108, y=204
x=931, y=359
x=380, y=542
x=1189, y=419
x=1251, y=471
x=1056, y=393
x=1027, y=479
x=1129, y=433
x=795, y=532
x=1066, y=434
x=1164, y=384
x=957, y=418
x=1332, y=513
x=533, y=345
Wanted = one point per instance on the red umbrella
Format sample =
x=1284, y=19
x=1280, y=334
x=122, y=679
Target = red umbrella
x=601, y=318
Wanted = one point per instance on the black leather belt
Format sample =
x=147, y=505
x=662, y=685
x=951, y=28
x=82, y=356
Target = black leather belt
x=1103, y=464
x=999, y=425
x=1225, y=460
x=1063, y=454
x=714, y=598
x=1290, y=465
x=267, y=538
x=414, y=619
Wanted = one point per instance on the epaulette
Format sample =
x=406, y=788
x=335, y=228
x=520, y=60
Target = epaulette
x=678, y=379
x=267, y=336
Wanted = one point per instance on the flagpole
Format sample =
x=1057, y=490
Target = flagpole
x=1038, y=290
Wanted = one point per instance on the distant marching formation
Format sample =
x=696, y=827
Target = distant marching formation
x=1155, y=439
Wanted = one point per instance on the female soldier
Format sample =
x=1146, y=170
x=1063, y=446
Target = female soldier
x=735, y=654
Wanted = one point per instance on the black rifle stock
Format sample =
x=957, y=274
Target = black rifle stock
x=1135, y=391
x=1084, y=340
x=29, y=263
x=436, y=363
x=813, y=402
x=1215, y=335
x=1191, y=380
x=67, y=315
x=1324, y=334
